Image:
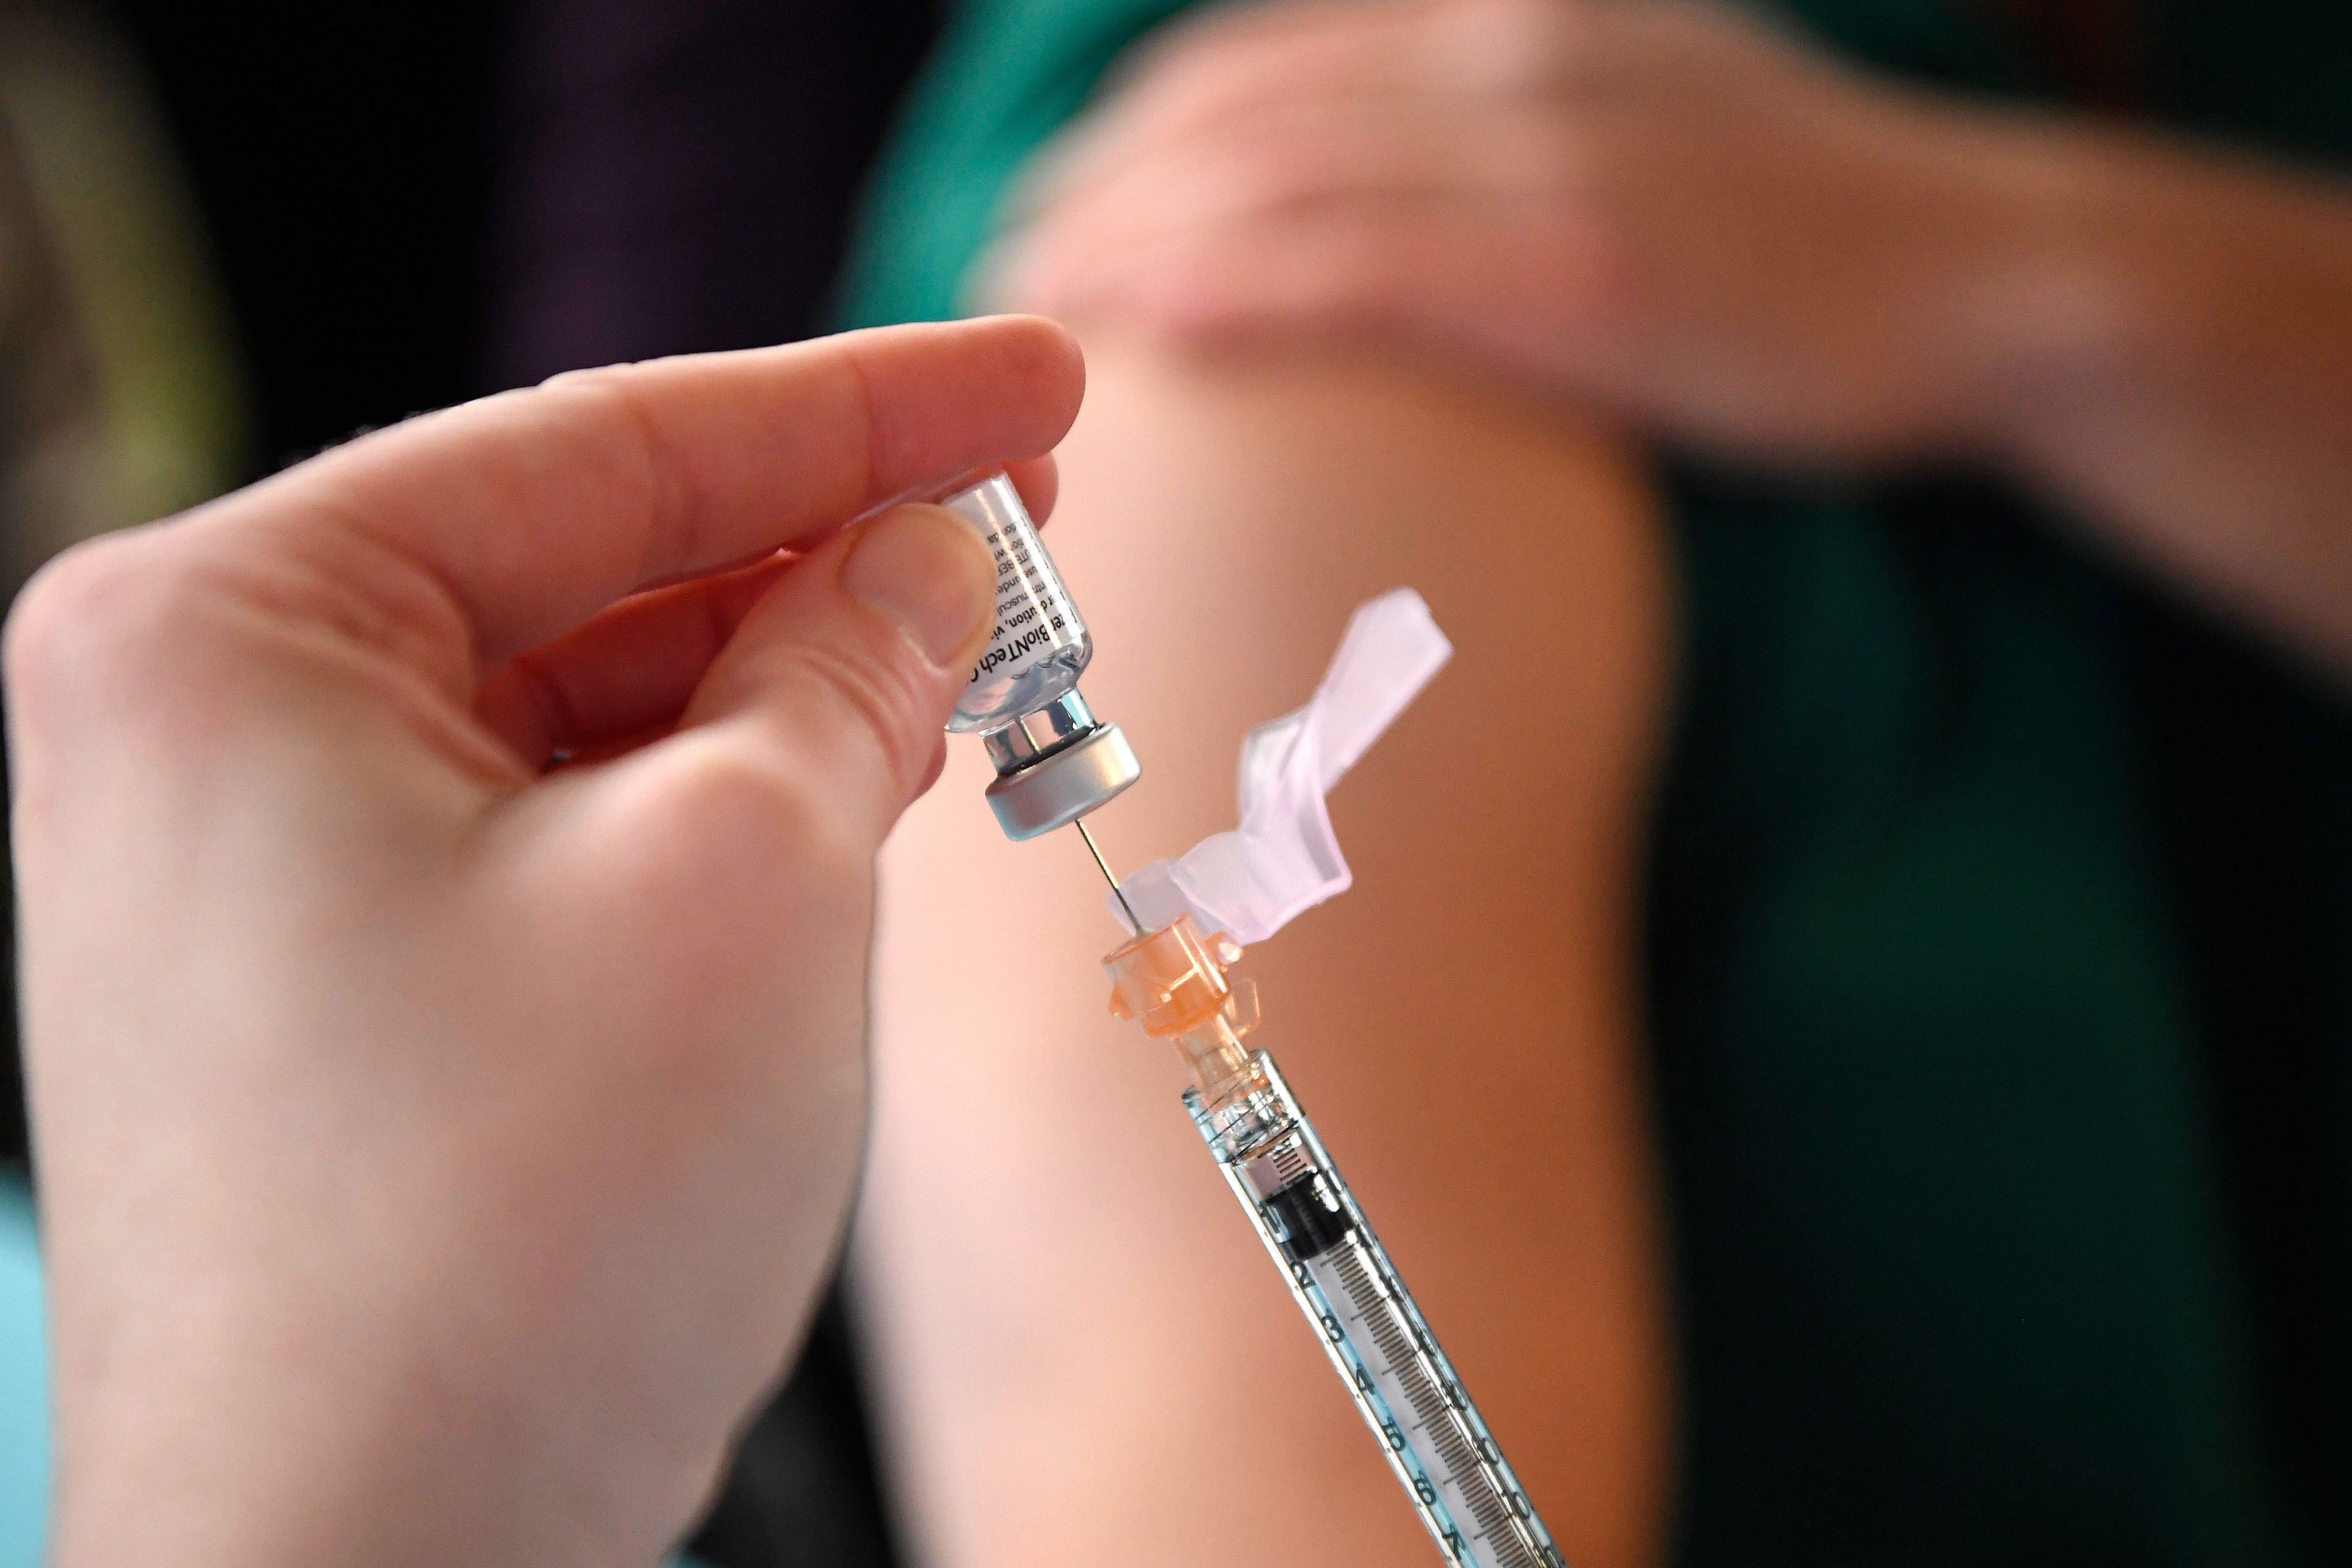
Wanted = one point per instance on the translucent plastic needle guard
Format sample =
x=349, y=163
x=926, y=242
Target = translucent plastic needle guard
x=1283, y=858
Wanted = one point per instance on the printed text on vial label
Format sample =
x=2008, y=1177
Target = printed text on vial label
x=1030, y=616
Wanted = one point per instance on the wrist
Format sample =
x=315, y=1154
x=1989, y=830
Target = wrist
x=2060, y=310
x=2149, y=277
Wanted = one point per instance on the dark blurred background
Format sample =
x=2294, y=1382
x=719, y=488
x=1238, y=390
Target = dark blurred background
x=383, y=212
x=404, y=215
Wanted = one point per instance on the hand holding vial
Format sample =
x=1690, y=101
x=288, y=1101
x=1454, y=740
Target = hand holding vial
x=440, y=1150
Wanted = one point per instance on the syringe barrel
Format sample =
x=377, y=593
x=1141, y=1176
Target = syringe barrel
x=1341, y=1278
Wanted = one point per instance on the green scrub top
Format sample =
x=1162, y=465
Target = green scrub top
x=2000, y=920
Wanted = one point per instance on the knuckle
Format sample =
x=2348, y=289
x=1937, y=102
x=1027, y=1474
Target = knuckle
x=1506, y=22
x=1364, y=264
x=1580, y=277
x=57, y=606
x=1223, y=56
x=96, y=626
x=1168, y=74
x=750, y=830
x=48, y=623
x=1525, y=21
x=1267, y=172
x=762, y=809
x=870, y=699
x=1190, y=94
x=1521, y=46
x=1207, y=43
x=878, y=697
x=633, y=441
x=1563, y=167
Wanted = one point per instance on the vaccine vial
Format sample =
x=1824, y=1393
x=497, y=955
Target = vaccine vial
x=1054, y=761
x=1040, y=646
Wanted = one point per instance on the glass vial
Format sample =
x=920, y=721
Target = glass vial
x=1040, y=646
x=1054, y=761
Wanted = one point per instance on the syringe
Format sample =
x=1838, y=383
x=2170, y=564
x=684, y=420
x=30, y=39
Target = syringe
x=1173, y=982
x=1056, y=763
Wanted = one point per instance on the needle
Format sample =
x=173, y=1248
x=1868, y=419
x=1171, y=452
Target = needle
x=1133, y=925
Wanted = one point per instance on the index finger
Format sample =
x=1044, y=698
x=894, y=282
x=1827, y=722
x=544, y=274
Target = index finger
x=531, y=511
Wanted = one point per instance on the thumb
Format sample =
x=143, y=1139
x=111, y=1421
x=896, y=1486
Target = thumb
x=840, y=680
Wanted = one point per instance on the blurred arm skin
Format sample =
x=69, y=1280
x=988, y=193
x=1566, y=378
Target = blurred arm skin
x=1083, y=1354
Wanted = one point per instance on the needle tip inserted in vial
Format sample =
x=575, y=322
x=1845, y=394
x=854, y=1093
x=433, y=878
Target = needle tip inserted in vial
x=1132, y=923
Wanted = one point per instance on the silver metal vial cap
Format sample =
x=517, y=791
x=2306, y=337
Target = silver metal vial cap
x=1054, y=766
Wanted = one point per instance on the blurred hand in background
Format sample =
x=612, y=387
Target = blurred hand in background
x=1667, y=211
x=1662, y=207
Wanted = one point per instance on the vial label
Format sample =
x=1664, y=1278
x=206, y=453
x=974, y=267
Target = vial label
x=1033, y=611
x=1039, y=646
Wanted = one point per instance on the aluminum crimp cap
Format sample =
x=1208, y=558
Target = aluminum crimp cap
x=1059, y=788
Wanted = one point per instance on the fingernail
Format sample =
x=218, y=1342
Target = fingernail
x=927, y=571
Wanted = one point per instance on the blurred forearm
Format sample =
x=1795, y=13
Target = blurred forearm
x=2202, y=417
